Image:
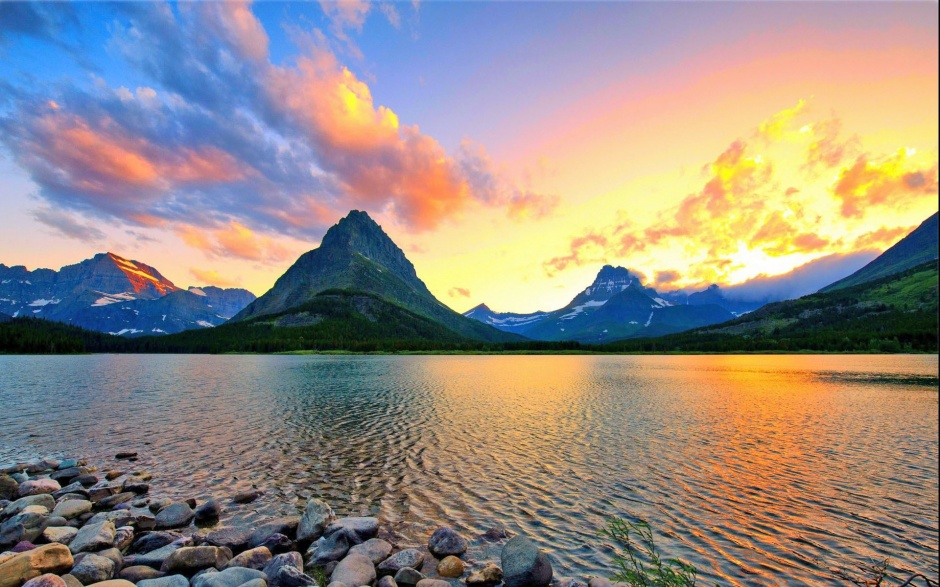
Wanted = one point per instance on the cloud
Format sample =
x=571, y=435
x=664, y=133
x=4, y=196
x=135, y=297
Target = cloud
x=589, y=248
x=212, y=277
x=774, y=127
x=459, y=292
x=38, y=20
x=805, y=279
x=68, y=225
x=531, y=206
x=666, y=278
x=234, y=241
x=828, y=147
x=882, y=238
x=892, y=181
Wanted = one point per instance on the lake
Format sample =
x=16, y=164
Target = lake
x=759, y=470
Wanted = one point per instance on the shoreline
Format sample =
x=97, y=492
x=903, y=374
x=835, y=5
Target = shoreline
x=69, y=523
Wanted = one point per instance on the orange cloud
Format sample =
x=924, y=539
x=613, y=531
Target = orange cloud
x=530, y=206
x=459, y=292
x=212, y=277
x=233, y=241
x=589, y=248
x=828, y=147
x=891, y=181
x=882, y=238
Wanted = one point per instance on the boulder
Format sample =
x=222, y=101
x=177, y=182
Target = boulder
x=409, y=557
x=450, y=567
x=235, y=538
x=72, y=508
x=496, y=533
x=116, y=499
x=60, y=534
x=355, y=569
x=286, y=526
x=155, y=558
x=71, y=581
x=256, y=558
x=359, y=528
x=446, y=542
x=93, y=537
x=524, y=564
x=115, y=555
x=329, y=548
x=37, y=487
x=45, y=500
x=175, y=515
x=247, y=496
x=317, y=517
x=486, y=577
x=432, y=583
x=47, y=580
x=276, y=543
x=386, y=581
x=123, y=537
x=93, y=569
x=408, y=577
x=74, y=488
x=168, y=581
x=86, y=480
x=292, y=559
x=139, y=573
x=191, y=559
x=375, y=548
x=8, y=487
x=158, y=504
x=288, y=576
x=210, y=510
x=113, y=583
x=231, y=577
x=154, y=540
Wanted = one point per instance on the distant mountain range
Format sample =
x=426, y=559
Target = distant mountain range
x=617, y=305
x=109, y=293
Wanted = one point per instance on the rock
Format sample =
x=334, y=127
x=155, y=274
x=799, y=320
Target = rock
x=255, y=583
x=45, y=500
x=158, y=504
x=93, y=537
x=175, y=515
x=113, y=583
x=67, y=476
x=123, y=537
x=486, y=577
x=8, y=487
x=168, y=581
x=62, y=535
x=19, y=477
x=71, y=581
x=360, y=529
x=27, y=525
x=286, y=526
x=276, y=543
x=93, y=569
x=329, y=548
x=115, y=555
x=231, y=577
x=37, y=487
x=329, y=568
x=292, y=559
x=139, y=573
x=56, y=522
x=317, y=517
x=113, y=474
x=235, y=538
x=49, y=558
x=432, y=583
x=5, y=556
x=568, y=582
x=136, y=488
x=386, y=581
x=125, y=455
x=210, y=510
x=99, y=491
x=409, y=557
x=154, y=540
x=375, y=548
x=247, y=496
x=68, y=463
x=336, y=584
x=355, y=569
x=496, y=533
x=72, y=508
x=47, y=580
x=155, y=558
x=600, y=582
x=408, y=577
x=190, y=559
x=451, y=567
x=446, y=542
x=76, y=488
x=22, y=546
x=86, y=480
x=256, y=558
x=288, y=576
x=113, y=500
x=524, y=565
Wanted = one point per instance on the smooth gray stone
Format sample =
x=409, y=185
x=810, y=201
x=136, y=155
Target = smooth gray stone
x=433, y=583
x=86, y=480
x=158, y=504
x=93, y=569
x=386, y=581
x=139, y=573
x=317, y=517
x=256, y=558
x=44, y=499
x=72, y=508
x=355, y=569
x=67, y=464
x=210, y=510
x=255, y=583
x=409, y=557
x=231, y=577
x=375, y=548
x=360, y=529
x=192, y=559
x=446, y=542
x=154, y=540
x=408, y=577
x=168, y=581
x=175, y=515
x=292, y=559
x=76, y=488
x=62, y=535
x=93, y=537
x=329, y=548
x=156, y=558
x=286, y=526
x=288, y=576
x=115, y=555
x=524, y=564
x=234, y=537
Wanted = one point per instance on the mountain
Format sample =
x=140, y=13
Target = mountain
x=616, y=305
x=919, y=246
x=356, y=255
x=897, y=313
x=109, y=293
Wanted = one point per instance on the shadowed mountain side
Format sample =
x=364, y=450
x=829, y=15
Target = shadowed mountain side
x=357, y=255
x=921, y=245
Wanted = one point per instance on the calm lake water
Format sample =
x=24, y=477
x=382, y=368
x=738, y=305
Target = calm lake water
x=764, y=470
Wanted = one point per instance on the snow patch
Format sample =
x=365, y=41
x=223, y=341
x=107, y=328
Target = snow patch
x=205, y=324
x=124, y=331
x=106, y=299
x=580, y=308
x=197, y=291
x=15, y=314
x=648, y=320
x=158, y=330
x=43, y=302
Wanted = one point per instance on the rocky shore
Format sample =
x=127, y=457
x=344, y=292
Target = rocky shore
x=68, y=524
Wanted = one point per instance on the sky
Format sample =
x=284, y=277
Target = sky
x=510, y=148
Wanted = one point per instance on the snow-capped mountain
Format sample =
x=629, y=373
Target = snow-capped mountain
x=616, y=305
x=109, y=293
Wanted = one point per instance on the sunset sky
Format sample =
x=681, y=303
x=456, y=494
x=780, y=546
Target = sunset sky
x=510, y=148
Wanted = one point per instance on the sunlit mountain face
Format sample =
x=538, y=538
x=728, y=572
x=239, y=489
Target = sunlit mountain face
x=510, y=151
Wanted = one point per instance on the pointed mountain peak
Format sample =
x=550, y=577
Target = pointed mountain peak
x=478, y=309
x=352, y=230
x=611, y=273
